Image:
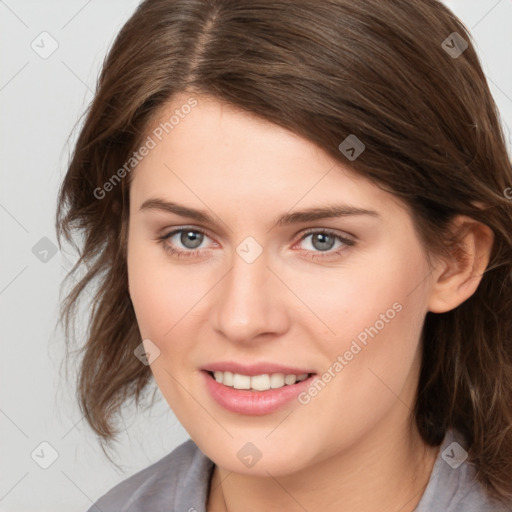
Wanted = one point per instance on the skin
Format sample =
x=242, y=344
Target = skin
x=355, y=446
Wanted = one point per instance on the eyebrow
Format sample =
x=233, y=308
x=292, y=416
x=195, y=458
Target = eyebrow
x=297, y=217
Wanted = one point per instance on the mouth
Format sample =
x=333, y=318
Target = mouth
x=253, y=395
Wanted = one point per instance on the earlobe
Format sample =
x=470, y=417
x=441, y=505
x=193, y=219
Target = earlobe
x=460, y=273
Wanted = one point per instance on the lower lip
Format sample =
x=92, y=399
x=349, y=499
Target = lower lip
x=253, y=403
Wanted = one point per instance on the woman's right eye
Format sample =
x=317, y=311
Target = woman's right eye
x=188, y=238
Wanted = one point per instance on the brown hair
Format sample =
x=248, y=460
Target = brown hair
x=380, y=70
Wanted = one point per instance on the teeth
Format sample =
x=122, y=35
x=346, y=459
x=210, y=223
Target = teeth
x=290, y=379
x=241, y=381
x=258, y=382
x=277, y=380
x=227, y=379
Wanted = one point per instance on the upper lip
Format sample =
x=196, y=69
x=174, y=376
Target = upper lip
x=254, y=369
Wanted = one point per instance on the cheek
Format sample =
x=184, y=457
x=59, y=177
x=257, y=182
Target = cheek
x=164, y=294
x=365, y=294
x=372, y=315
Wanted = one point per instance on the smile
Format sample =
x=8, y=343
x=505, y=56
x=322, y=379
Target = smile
x=254, y=395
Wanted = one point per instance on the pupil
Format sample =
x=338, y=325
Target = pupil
x=193, y=237
x=322, y=237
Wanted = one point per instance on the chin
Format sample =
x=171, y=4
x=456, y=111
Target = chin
x=254, y=458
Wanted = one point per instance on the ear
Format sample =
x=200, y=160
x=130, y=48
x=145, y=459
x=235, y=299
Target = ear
x=457, y=276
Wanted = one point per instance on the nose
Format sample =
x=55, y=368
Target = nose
x=251, y=302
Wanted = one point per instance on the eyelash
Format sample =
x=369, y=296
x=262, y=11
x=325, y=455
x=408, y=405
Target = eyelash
x=316, y=254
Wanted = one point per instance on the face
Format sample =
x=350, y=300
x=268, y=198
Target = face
x=340, y=297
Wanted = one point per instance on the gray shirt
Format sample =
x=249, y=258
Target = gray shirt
x=179, y=482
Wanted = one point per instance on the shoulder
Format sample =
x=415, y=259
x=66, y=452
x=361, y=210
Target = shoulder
x=179, y=480
x=453, y=486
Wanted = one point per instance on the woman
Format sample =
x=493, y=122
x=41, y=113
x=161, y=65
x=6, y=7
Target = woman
x=296, y=216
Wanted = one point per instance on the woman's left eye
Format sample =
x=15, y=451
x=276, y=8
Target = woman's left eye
x=322, y=241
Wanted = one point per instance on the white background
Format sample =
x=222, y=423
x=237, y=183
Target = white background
x=40, y=102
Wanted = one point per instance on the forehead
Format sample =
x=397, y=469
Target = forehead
x=215, y=151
